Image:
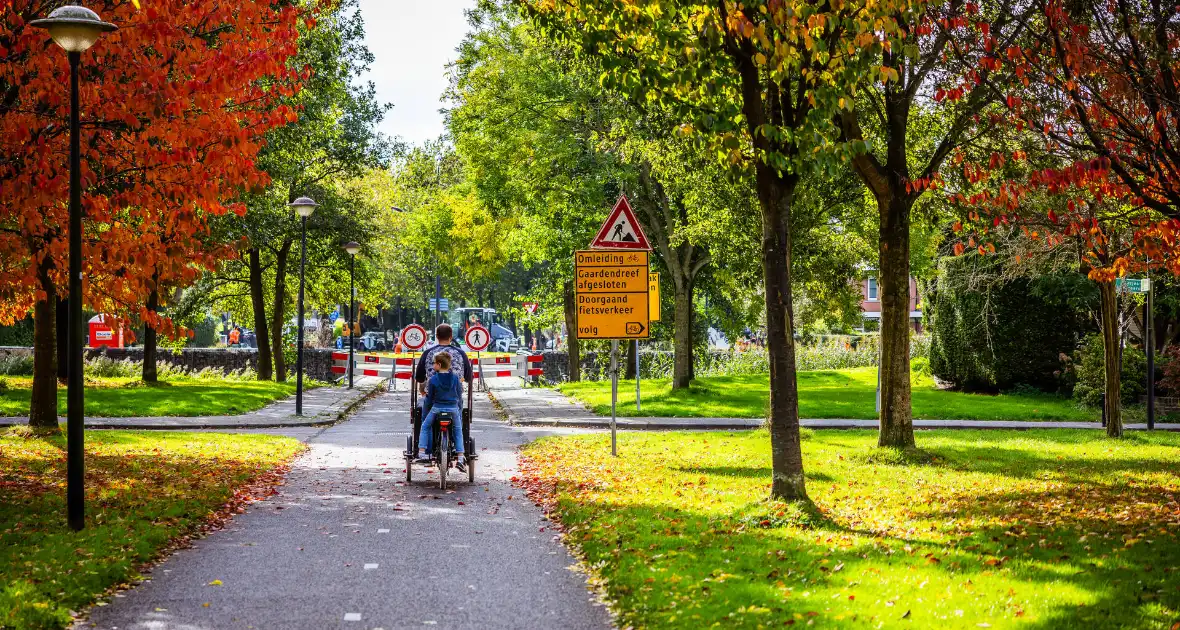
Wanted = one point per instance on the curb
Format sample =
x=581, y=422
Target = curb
x=732, y=424
x=646, y=424
x=335, y=413
x=735, y=424
x=591, y=421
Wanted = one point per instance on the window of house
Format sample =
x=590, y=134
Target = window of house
x=872, y=292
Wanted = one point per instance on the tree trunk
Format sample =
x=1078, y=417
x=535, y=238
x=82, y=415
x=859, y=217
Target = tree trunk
x=278, y=311
x=573, y=347
x=775, y=194
x=43, y=404
x=1110, y=345
x=63, y=333
x=682, y=371
x=258, y=304
x=897, y=421
x=150, y=374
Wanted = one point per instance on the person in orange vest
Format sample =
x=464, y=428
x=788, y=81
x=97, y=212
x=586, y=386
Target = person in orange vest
x=235, y=337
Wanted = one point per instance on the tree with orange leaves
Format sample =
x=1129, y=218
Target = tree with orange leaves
x=174, y=105
x=1089, y=154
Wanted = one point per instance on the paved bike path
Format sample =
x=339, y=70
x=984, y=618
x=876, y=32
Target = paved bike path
x=348, y=544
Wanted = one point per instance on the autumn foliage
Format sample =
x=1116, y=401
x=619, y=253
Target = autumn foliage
x=1089, y=148
x=173, y=108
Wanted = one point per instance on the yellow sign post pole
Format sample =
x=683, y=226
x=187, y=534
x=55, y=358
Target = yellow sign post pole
x=653, y=315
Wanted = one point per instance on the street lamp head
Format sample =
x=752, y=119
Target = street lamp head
x=73, y=27
x=352, y=247
x=304, y=206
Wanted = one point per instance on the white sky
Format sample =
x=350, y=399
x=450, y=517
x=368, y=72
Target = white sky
x=413, y=41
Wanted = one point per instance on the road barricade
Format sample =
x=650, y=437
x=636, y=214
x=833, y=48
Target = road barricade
x=520, y=365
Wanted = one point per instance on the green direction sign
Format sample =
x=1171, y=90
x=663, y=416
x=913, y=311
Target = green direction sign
x=1133, y=285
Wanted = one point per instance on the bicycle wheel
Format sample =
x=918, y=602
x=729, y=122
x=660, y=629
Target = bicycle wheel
x=444, y=457
x=470, y=470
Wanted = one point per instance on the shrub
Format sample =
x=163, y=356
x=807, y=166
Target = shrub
x=16, y=365
x=18, y=334
x=993, y=335
x=1089, y=367
x=1169, y=366
x=205, y=333
x=106, y=367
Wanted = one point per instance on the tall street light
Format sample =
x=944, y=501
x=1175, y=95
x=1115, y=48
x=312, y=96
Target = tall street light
x=303, y=206
x=352, y=247
x=75, y=29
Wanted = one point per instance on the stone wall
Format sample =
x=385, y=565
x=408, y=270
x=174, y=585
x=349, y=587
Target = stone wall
x=318, y=361
x=556, y=364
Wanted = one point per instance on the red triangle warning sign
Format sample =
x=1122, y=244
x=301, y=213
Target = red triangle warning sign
x=621, y=230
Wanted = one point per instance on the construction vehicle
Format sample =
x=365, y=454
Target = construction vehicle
x=503, y=338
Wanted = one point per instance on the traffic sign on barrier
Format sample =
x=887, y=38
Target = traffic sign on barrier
x=477, y=338
x=414, y=337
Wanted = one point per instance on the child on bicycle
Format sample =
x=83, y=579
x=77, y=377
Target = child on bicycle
x=444, y=390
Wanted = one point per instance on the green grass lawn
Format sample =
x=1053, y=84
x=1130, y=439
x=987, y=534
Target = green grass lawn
x=128, y=397
x=847, y=393
x=1033, y=529
x=143, y=491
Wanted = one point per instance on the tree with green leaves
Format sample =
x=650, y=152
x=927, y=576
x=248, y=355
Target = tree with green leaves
x=517, y=92
x=948, y=52
x=765, y=83
x=524, y=117
x=333, y=140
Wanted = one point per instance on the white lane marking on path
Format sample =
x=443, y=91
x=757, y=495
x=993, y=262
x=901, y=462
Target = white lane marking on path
x=383, y=531
x=372, y=565
x=352, y=616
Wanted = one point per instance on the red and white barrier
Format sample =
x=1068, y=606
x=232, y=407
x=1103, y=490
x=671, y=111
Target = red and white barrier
x=519, y=365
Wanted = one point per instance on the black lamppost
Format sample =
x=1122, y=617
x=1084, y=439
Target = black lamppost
x=75, y=29
x=303, y=206
x=352, y=247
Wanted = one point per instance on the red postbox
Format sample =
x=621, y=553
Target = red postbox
x=103, y=335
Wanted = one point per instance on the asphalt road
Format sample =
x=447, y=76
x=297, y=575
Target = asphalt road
x=348, y=544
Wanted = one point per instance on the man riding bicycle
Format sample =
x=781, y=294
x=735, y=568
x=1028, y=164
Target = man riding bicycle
x=459, y=364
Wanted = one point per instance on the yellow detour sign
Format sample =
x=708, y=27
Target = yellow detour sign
x=611, y=291
x=653, y=290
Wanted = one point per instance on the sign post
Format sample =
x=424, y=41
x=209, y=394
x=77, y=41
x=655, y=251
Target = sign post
x=1143, y=285
x=413, y=338
x=614, y=393
x=637, y=409
x=612, y=287
x=1149, y=346
x=653, y=315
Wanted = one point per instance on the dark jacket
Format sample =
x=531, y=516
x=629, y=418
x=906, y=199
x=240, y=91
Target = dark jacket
x=444, y=389
x=459, y=363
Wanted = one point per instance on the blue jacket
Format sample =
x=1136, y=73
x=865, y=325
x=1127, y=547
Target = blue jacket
x=444, y=389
